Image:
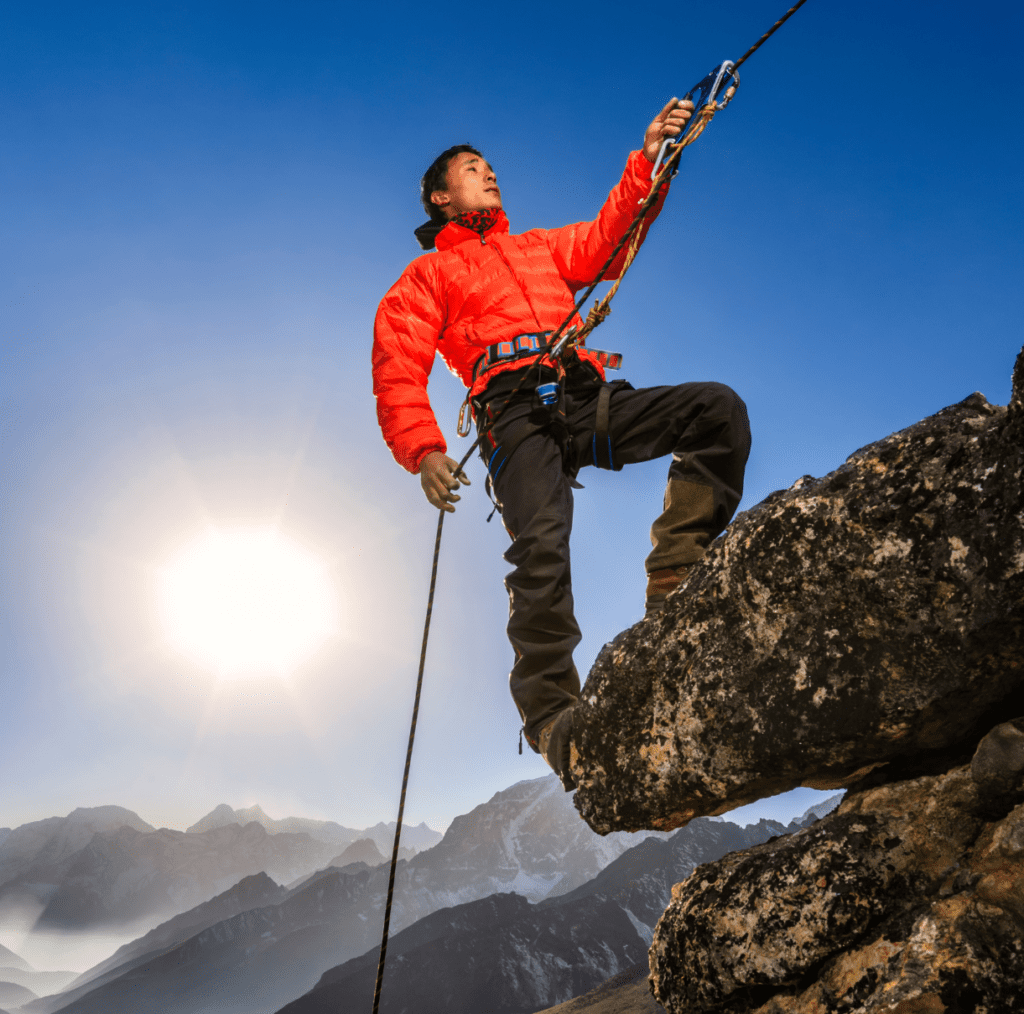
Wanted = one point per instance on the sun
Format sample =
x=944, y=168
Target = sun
x=246, y=603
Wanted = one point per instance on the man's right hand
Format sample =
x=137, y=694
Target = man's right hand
x=439, y=481
x=668, y=123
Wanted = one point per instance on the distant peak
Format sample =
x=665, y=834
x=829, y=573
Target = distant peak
x=250, y=813
x=108, y=817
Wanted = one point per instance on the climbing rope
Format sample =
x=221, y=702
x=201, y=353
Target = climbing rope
x=600, y=310
x=561, y=342
x=408, y=763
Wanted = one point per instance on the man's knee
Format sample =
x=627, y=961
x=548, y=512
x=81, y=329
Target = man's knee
x=721, y=400
x=543, y=542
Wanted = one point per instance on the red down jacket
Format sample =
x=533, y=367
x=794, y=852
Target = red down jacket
x=475, y=291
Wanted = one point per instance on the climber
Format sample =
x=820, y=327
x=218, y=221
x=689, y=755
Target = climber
x=487, y=302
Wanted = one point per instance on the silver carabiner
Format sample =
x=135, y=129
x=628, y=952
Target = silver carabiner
x=706, y=90
x=555, y=352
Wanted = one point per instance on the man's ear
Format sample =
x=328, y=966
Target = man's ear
x=440, y=198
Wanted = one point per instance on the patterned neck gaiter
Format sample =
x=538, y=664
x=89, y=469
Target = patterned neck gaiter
x=478, y=221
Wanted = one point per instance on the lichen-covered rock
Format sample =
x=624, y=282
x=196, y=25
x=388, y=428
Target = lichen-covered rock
x=870, y=619
x=907, y=899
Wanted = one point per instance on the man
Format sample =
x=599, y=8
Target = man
x=487, y=302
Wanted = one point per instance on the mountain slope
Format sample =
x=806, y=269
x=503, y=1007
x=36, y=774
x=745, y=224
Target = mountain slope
x=527, y=838
x=42, y=845
x=500, y=953
x=503, y=954
x=251, y=892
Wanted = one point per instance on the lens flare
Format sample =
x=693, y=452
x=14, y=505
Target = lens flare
x=247, y=603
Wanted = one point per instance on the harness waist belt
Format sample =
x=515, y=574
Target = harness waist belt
x=534, y=343
x=521, y=345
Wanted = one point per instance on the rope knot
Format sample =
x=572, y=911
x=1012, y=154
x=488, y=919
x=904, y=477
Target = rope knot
x=597, y=315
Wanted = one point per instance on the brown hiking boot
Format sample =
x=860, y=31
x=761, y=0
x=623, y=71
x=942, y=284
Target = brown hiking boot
x=553, y=745
x=660, y=583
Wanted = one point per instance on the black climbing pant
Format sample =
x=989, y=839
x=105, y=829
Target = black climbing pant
x=703, y=426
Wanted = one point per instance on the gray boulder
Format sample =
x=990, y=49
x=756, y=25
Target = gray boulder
x=910, y=897
x=863, y=627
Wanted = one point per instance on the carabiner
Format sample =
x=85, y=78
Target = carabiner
x=704, y=92
x=556, y=351
x=465, y=423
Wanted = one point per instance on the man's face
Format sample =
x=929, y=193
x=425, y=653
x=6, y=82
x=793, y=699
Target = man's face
x=472, y=186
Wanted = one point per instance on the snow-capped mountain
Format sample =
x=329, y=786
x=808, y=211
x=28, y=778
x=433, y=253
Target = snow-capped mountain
x=819, y=810
x=258, y=946
x=528, y=839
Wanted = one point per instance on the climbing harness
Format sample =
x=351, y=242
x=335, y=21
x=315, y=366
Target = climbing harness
x=521, y=347
x=708, y=98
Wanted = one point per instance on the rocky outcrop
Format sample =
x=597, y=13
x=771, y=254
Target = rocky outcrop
x=864, y=630
x=909, y=898
x=863, y=627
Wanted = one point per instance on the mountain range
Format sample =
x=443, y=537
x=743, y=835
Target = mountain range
x=257, y=945
x=414, y=839
x=105, y=866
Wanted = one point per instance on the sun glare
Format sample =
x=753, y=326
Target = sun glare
x=247, y=603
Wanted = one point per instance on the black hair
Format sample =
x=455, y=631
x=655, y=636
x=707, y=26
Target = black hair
x=436, y=178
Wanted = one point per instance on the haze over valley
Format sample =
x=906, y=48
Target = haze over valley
x=99, y=909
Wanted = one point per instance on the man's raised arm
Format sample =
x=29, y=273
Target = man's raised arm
x=580, y=250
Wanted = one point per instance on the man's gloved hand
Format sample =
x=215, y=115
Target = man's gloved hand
x=439, y=481
x=669, y=122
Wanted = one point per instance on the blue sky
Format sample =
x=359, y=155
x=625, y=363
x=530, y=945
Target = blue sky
x=203, y=204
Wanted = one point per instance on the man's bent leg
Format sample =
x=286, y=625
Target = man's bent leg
x=705, y=480
x=705, y=428
x=536, y=504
